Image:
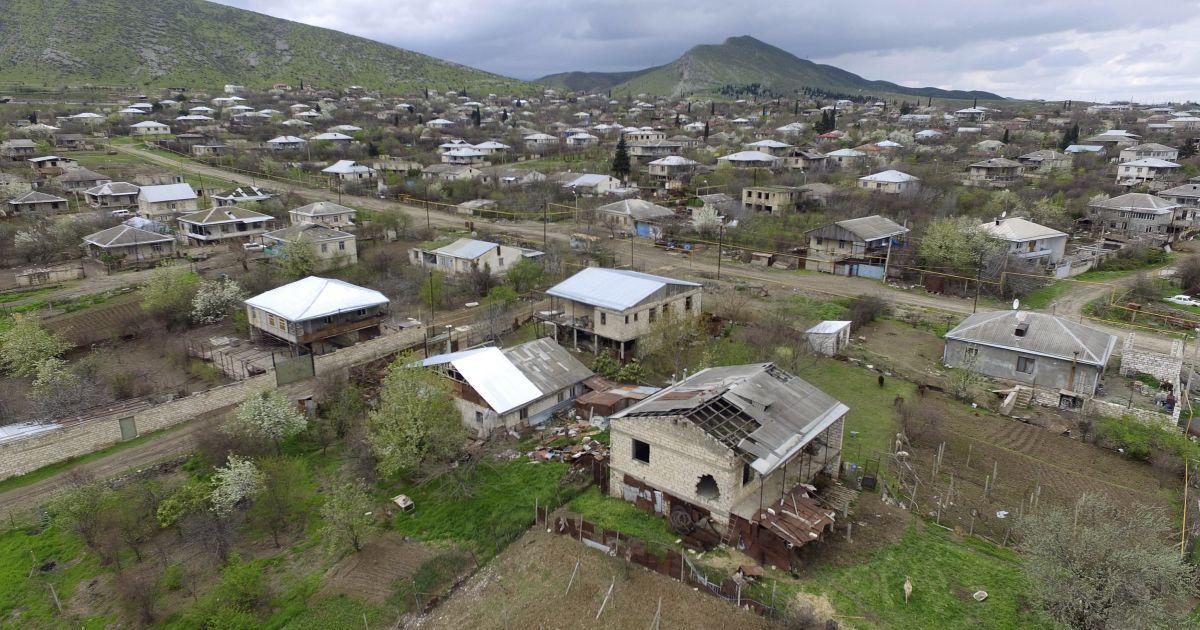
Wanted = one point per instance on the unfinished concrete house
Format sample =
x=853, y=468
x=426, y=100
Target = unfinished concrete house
x=317, y=314
x=733, y=449
x=613, y=308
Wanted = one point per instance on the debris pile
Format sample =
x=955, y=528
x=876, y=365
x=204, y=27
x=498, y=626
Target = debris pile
x=574, y=443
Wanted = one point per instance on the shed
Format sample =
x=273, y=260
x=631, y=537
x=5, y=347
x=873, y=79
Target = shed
x=829, y=337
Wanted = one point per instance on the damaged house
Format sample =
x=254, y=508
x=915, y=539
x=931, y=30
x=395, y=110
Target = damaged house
x=732, y=449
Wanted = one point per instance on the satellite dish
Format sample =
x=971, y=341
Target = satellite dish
x=1016, y=304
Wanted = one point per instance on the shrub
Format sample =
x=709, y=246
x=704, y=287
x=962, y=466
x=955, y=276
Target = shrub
x=866, y=309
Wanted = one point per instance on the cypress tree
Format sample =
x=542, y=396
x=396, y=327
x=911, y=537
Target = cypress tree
x=620, y=163
x=1005, y=138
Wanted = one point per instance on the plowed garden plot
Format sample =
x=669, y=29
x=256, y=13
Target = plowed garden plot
x=526, y=587
x=1030, y=464
x=372, y=574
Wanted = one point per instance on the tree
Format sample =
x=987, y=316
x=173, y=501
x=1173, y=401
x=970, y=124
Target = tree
x=620, y=164
x=955, y=244
x=1070, y=136
x=481, y=279
x=415, y=421
x=215, y=299
x=476, y=117
x=706, y=221
x=237, y=481
x=58, y=391
x=677, y=344
x=25, y=345
x=169, y=291
x=1004, y=139
x=298, y=259
x=432, y=291
x=348, y=517
x=1097, y=566
x=267, y=415
x=282, y=497
x=1188, y=275
x=525, y=275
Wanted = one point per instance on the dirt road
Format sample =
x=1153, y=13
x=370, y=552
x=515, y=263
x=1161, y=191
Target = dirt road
x=20, y=501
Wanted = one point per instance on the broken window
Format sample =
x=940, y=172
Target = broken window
x=707, y=488
x=747, y=473
x=641, y=451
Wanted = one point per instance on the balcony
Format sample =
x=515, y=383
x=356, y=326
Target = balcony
x=325, y=331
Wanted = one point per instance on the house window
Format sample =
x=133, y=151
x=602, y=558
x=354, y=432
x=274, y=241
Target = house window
x=641, y=451
x=635, y=317
x=687, y=303
x=626, y=319
x=342, y=245
x=603, y=318
x=324, y=248
x=524, y=413
x=747, y=473
x=653, y=314
x=478, y=417
x=1025, y=365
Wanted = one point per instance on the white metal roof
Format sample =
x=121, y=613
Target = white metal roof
x=467, y=248
x=890, y=176
x=493, y=376
x=314, y=297
x=614, y=289
x=828, y=327
x=1018, y=230
x=749, y=156
x=167, y=192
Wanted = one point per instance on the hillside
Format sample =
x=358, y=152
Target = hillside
x=744, y=61
x=193, y=43
x=590, y=81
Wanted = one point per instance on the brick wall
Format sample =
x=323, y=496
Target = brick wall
x=1164, y=367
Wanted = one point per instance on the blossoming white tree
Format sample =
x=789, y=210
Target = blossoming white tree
x=215, y=299
x=266, y=415
x=239, y=479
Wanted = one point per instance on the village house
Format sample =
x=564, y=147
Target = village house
x=18, y=148
x=465, y=155
x=996, y=172
x=776, y=200
x=737, y=445
x=845, y=158
x=317, y=314
x=149, y=128
x=513, y=388
x=804, y=160
x=34, y=203
x=112, y=195
x=588, y=183
x=349, y=171
x=1027, y=240
x=1038, y=350
x=670, y=171
x=540, y=140
x=505, y=176
x=1184, y=194
x=241, y=194
x=1144, y=170
x=1044, y=160
x=643, y=152
x=466, y=255
x=854, y=247
x=129, y=244
x=771, y=147
x=166, y=200
x=1134, y=215
x=283, y=143
x=890, y=182
x=749, y=159
x=450, y=172
x=324, y=213
x=1149, y=150
x=51, y=163
x=1115, y=138
x=208, y=227
x=636, y=216
x=80, y=179
x=613, y=308
x=333, y=248
x=644, y=135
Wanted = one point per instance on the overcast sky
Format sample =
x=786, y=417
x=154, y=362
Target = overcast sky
x=1053, y=49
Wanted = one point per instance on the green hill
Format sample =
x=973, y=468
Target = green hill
x=594, y=82
x=745, y=65
x=193, y=43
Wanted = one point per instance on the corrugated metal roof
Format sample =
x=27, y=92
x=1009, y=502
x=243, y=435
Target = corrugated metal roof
x=758, y=410
x=167, y=192
x=828, y=327
x=637, y=209
x=1018, y=230
x=613, y=289
x=1045, y=335
x=514, y=377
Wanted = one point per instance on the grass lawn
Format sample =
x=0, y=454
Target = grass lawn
x=1044, y=296
x=489, y=507
x=25, y=600
x=611, y=513
x=945, y=572
x=871, y=413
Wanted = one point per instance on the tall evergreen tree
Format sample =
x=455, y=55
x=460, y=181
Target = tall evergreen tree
x=706, y=131
x=1005, y=138
x=620, y=163
x=476, y=117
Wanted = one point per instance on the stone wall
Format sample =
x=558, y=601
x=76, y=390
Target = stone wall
x=1115, y=410
x=99, y=431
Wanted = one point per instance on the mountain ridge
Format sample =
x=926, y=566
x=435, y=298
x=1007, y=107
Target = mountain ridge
x=748, y=64
x=156, y=43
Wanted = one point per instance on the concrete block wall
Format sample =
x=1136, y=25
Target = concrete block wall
x=1114, y=410
x=1164, y=367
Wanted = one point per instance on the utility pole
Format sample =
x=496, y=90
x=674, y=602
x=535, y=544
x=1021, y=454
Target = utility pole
x=720, y=246
x=431, y=315
x=1187, y=389
x=887, y=259
x=978, y=278
x=545, y=218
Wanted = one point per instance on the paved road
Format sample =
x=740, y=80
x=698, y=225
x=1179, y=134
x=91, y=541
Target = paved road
x=20, y=501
